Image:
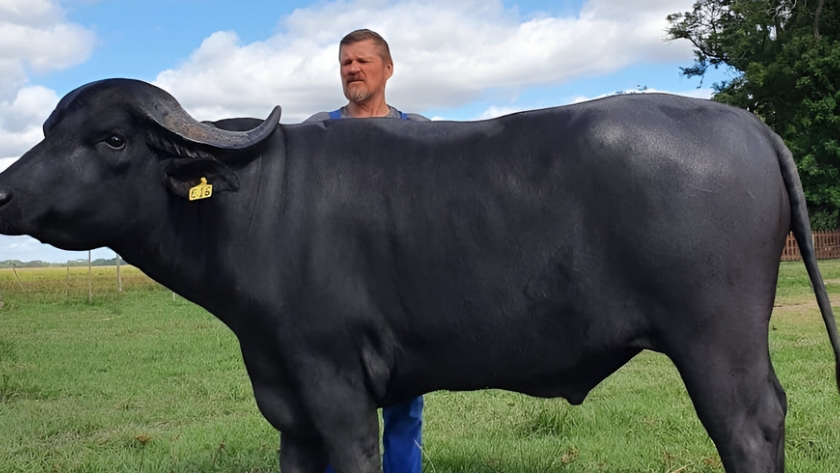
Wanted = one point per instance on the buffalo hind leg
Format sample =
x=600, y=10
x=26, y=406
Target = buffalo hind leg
x=739, y=401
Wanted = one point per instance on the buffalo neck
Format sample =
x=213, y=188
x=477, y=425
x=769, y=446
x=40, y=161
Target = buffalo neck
x=207, y=250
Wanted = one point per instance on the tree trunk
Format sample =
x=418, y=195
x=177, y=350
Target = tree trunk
x=817, y=20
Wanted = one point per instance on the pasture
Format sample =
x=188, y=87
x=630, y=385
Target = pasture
x=144, y=381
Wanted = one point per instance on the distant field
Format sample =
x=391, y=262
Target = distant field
x=73, y=284
x=143, y=381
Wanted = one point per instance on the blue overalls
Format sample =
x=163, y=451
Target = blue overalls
x=402, y=432
x=336, y=114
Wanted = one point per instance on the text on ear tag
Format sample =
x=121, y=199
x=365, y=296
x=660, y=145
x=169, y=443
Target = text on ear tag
x=201, y=191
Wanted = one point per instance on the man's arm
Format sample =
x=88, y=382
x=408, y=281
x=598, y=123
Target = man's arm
x=417, y=117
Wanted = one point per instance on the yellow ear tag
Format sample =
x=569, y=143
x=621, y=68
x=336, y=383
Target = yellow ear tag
x=201, y=191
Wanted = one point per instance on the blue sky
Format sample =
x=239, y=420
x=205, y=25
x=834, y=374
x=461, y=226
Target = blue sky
x=465, y=60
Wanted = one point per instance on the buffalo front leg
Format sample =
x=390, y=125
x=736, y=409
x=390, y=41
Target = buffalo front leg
x=343, y=418
x=299, y=454
x=739, y=401
x=347, y=445
x=352, y=443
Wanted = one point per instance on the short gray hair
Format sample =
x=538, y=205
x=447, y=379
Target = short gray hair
x=364, y=35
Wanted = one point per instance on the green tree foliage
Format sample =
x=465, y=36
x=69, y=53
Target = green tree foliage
x=785, y=59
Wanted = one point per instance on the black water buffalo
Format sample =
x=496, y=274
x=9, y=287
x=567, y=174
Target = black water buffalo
x=360, y=262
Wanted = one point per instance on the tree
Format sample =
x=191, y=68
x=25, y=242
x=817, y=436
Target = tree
x=785, y=56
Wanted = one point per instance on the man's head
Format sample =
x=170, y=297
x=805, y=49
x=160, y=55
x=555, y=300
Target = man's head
x=365, y=66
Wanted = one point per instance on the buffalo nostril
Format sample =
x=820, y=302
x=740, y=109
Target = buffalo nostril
x=5, y=196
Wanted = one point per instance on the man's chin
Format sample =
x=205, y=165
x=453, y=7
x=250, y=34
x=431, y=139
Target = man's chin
x=356, y=94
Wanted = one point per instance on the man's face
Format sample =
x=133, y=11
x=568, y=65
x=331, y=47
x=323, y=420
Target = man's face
x=363, y=71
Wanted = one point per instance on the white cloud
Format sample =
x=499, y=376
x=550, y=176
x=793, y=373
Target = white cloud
x=225, y=78
x=702, y=93
x=30, y=105
x=45, y=48
x=495, y=111
x=6, y=162
x=29, y=12
x=695, y=93
x=21, y=119
x=33, y=36
x=472, y=48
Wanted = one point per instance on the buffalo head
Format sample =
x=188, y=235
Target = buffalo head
x=113, y=152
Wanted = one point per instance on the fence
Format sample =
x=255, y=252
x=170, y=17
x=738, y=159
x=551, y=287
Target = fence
x=826, y=246
x=71, y=283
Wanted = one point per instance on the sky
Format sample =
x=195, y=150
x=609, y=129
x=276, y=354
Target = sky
x=453, y=60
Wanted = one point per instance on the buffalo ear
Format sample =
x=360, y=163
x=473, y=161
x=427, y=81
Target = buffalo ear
x=182, y=174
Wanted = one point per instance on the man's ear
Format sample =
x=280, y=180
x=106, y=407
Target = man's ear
x=182, y=174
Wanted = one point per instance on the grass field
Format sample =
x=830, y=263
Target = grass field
x=143, y=381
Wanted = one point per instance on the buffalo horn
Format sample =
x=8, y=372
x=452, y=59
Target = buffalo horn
x=168, y=113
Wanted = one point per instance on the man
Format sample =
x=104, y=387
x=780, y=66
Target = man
x=366, y=66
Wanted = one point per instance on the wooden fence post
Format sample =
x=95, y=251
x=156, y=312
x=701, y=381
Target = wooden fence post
x=90, y=279
x=119, y=278
x=17, y=277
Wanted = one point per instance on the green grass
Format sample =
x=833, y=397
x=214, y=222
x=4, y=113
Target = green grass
x=141, y=381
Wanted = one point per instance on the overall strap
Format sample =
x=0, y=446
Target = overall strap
x=336, y=114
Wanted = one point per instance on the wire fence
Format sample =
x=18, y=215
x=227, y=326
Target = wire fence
x=73, y=283
x=83, y=282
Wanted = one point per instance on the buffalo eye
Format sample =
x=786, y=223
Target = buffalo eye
x=115, y=141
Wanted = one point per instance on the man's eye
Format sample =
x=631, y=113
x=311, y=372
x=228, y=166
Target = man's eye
x=115, y=141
